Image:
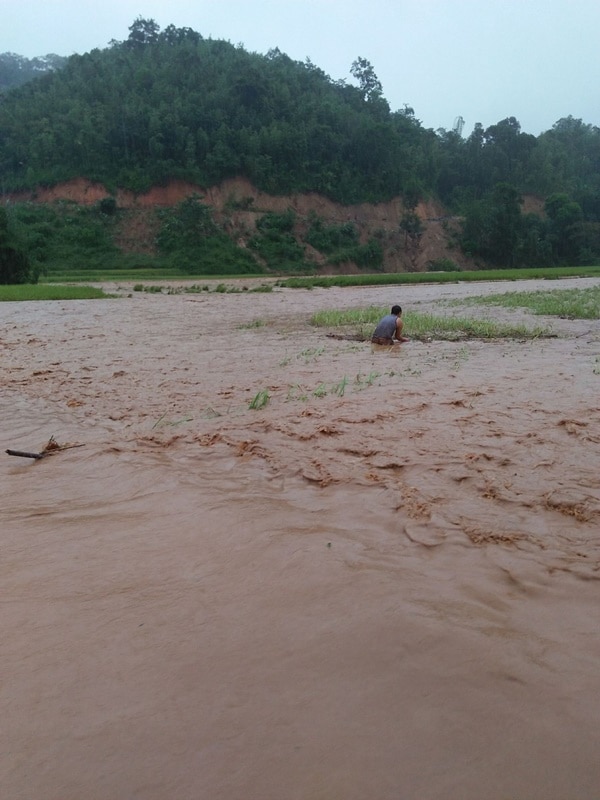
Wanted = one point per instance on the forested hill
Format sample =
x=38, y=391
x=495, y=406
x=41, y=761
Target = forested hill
x=170, y=104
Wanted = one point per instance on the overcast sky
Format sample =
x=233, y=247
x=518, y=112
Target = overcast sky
x=485, y=60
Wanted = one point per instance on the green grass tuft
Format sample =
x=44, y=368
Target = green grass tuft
x=256, y=323
x=260, y=400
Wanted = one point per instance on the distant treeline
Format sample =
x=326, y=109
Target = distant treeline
x=172, y=104
x=16, y=70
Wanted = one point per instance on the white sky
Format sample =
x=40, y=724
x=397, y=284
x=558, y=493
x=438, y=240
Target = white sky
x=536, y=60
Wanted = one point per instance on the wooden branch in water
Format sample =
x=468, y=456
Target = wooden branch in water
x=51, y=447
x=23, y=454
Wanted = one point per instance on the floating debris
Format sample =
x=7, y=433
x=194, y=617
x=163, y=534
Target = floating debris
x=51, y=446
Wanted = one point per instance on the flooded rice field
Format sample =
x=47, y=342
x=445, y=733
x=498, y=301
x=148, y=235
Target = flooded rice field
x=382, y=582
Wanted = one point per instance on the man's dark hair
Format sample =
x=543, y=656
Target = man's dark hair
x=396, y=310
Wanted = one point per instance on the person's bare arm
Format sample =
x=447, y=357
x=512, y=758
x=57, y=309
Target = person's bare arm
x=398, y=334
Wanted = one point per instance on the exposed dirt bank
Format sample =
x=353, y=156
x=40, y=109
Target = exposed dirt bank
x=237, y=205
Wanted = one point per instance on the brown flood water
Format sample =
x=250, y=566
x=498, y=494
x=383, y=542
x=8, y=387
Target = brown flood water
x=386, y=592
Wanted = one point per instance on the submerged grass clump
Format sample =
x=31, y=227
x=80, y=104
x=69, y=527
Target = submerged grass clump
x=362, y=381
x=424, y=326
x=340, y=388
x=256, y=323
x=311, y=354
x=220, y=288
x=259, y=400
x=570, y=303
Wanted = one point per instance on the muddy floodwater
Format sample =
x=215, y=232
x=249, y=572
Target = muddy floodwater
x=380, y=584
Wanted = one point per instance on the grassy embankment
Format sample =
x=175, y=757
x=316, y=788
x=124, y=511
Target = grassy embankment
x=383, y=279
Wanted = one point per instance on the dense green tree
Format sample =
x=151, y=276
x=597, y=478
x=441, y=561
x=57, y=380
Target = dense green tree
x=195, y=244
x=492, y=227
x=505, y=228
x=412, y=227
x=534, y=247
x=143, y=32
x=15, y=265
x=331, y=238
x=275, y=243
x=370, y=85
x=452, y=171
x=565, y=216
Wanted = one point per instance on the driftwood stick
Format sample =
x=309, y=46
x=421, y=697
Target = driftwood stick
x=50, y=448
x=23, y=454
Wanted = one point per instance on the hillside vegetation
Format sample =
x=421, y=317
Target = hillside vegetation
x=171, y=106
x=15, y=70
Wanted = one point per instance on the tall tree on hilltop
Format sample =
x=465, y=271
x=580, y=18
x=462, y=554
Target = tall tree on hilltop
x=369, y=84
x=142, y=32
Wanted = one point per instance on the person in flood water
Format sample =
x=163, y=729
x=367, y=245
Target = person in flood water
x=389, y=328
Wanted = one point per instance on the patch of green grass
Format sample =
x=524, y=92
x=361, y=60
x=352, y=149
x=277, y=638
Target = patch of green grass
x=262, y=288
x=425, y=326
x=220, y=288
x=461, y=357
x=260, y=400
x=152, y=289
x=98, y=275
x=256, y=323
x=42, y=291
x=571, y=303
x=332, y=318
x=302, y=393
x=297, y=392
x=340, y=388
x=366, y=380
x=106, y=276
x=311, y=353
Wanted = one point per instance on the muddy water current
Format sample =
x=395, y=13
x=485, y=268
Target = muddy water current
x=383, y=583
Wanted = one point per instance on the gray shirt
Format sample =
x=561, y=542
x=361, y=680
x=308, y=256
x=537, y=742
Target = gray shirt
x=386, y=327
